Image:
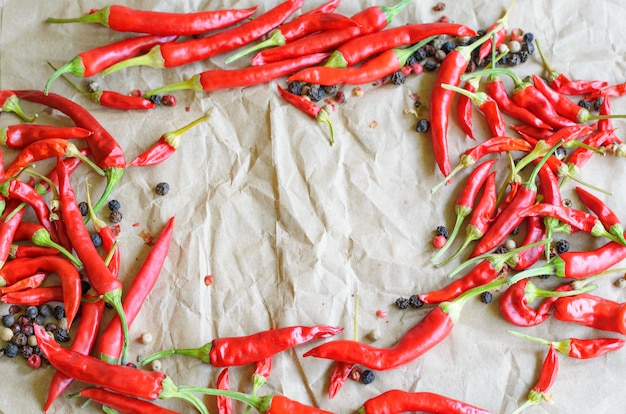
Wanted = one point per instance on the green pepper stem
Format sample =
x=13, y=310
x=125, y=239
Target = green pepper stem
x=275, y=38
x=73, y=151
x=153, y=59
x=533, y=292
x=113, y=175
x=261, y=404
x=563, y=346
x=391, y=11
x=12, y=105
x=74, y=66
x=461, y=213
x=192, y=83
x=471, y=234
x=336, y=60
x=548, y=268
x=405, y=54
x=201, y=353
x=109, y=410
x=454, y=307
x=478, y=98
x=173, y=137
x=466, y=161
x=101, y=16
x=324, y=117
x=114, y=298
x=42, y=238
x=171, y=390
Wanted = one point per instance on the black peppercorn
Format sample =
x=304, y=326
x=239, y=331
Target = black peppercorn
x=415, y=302
x=8, y=320
x=486, y=297
x=162, y=189
x=45, y=310
x=402, y=303
x=422, y=125
x=11, y=350
x=114, y=205
x=96, y=240
x=58, y=312
x=295, y=87
x=442, y=231
x=115, y=216
x=62, y=335
x=398, y=78
x=367, y=377
x=84, y=209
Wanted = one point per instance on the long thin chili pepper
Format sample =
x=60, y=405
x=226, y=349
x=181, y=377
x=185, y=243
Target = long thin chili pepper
x=122, y=403
x=515, y=302
x=29, y=282
x=376, y=68
x=224, y=404
x=9, y=102
x=297, y=28
x=99, y=275
x=481, y=218
x=370, y=20
x=22, y=251
x=429, y=332
x=576, y=218
x=225, y=352
x=111, y=339
x=562, y=84
x=551, y=194
x=262, y=370
x=217, y=79
x=399, y=401
x=19, y=136
x=174, y=54
x=35, y=296
x=450, y=71
x=125, y=19
x=487, y=106
x=8, y=227
x=593, y=311
x=496, y=40
x=527, y=131
x=464, y=108
x=579, y=348
x=549, y=371
x=109, y=239
x=83, y=342
x=590, y=146
x=319, y=113
x=126, y=380
x=608, y=218
x=39, y=236
x=362, y=47
x=93, y=61
x=606, y=124
x=165, y=146
x=338, y=377
x=465, y=202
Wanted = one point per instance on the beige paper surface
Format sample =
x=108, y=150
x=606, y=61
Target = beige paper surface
x=296, y=232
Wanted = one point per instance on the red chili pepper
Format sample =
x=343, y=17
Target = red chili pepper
x=166, y=145
x=516, y=299
x=122, y=403
x=590, y=146
x=84, y=340
x=35, y=296
x=19, y=136
x=301, y=26
x=9, y=103
x=8, y=227
x=481, y=218
x=432, y=330
x=362, y=47
x=126, y=380
x=29, y=282
x=224, y=404
x=243, y=350
x=487, y=106
x=18, y=251
x=528, y=131
x=39, y=236
x=376, y=68
x=593, y=311
x=125, y=19
x=262, y=370
x=98, y=274
x=338, y=377
x=450, y=71
x=174, y=54
x=606, y=124
x=535, y=231
x=328, y=7
x=464, y=108
x=579, y=348
x=549, y=371
x=109, y=239
x=465, y=202
x=397, y=401
x=93, y=61
x=217, y=79
x=319, y=113
x=111, y=339
x=562, y=84
x=608, y=218
x=499, y=37
x=370, y=20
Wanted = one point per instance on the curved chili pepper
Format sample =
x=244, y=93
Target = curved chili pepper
x=464, y=109
x=515, y=302
x=126, y=380
x=111, y=340
x=481, y=217
x=93, y=61
x=369, y=20
x=224, y=404
x=8, y=227
x=465, y=202
x=535, y=231
x=35, y=296
x=529, y=131
x=549, y=371
x=166, y=145
x=429, y=332
x=398, y=401
x=19, y=136
x=216, y=79
x=583, y=153
x=39, y=236
x=576, y=218
x=605, y=124
x=319, y=113
x=84, y=341
x=499, y=36
x=297, y=28
x=9, y=103
x=122, y=403
x=99, y=275
x=262, y=370
x=125, y=19
x=362, y=47
x=579, y=348
x=593, y=311
x=376, y=68
x=487, y=106
x=225, y=352
x=109, y=239
x=338, y=377
x=562, y=84
x=174, y=54
x=29, y=282
x=18, y=251
x=450, y=71
x=606, y=216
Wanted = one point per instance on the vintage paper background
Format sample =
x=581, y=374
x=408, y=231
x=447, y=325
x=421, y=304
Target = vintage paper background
x=294, y=231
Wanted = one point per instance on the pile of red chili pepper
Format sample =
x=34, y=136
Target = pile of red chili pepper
x=516, y=236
